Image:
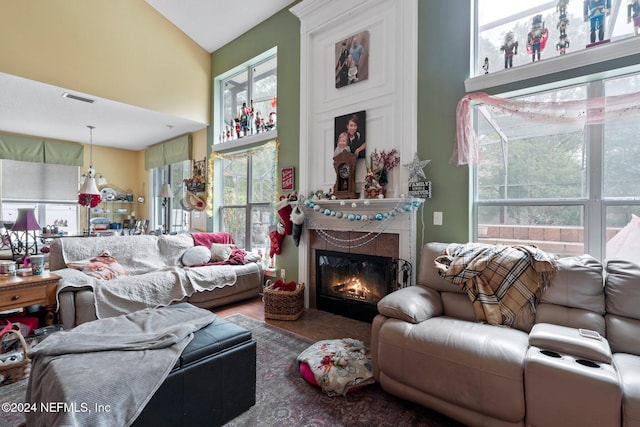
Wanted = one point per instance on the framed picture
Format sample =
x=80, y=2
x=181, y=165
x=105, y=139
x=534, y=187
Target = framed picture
x=352, y=59
x=350, y=134
x=287, y=179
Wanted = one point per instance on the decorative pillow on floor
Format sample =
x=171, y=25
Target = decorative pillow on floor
x=104, y=267
x=337, y=366
x=196, y=255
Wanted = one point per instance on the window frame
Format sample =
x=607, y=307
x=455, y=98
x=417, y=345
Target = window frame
x=237, y=146
x=592, y=67
x=157, y=178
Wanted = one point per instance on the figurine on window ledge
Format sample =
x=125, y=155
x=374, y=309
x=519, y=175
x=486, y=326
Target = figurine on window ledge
x=537, y=38
x=510, y=48
x=594, y=12
x=633, y=13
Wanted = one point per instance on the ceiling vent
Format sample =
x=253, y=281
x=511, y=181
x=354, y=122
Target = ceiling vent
x=78, y=98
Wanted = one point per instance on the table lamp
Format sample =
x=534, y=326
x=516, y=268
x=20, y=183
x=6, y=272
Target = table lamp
x=22, y=231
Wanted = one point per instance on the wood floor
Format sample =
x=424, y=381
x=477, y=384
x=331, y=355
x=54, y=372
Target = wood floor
x=313, y=324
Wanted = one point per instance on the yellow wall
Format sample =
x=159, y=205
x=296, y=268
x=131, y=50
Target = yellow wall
x=123, y=50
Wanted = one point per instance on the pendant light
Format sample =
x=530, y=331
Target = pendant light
x=89, y=194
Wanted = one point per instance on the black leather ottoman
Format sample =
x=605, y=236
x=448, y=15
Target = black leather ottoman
x=213, y=382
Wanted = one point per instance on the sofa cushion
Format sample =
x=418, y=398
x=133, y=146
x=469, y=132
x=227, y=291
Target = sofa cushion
x=104, y=267
x=196, y=255
x=172, y=247
x=413, y=304
x=475, y=366
x=220, y=252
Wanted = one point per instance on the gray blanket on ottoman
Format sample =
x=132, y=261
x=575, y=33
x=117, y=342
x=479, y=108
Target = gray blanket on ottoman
x=103, y=373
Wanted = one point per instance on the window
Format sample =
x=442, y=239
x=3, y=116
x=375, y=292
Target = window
x=248, y=194
x=28, y=185
x=245, y=153
x=173, y=174
x=249, y=100
x=495, y=18
x=565, y=186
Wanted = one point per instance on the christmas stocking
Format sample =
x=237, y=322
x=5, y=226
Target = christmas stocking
x=297, y=218
x=276, y=242
x=284, y=210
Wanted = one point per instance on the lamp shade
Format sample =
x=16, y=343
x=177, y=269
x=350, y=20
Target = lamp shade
x=26, y=221
x=166, y=192
x=89, y=187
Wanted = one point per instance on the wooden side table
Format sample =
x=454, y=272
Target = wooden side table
x=23, y=291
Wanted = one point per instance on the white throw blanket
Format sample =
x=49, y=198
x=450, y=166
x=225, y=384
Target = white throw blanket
x=160, y=288
x=103, y=373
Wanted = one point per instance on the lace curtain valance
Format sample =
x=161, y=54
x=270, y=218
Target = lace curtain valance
x=586, y=112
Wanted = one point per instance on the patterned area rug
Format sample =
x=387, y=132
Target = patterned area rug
x=284, y=398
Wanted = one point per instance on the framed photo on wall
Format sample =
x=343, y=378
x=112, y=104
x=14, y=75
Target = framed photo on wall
x=350, y=134
x=352, y=59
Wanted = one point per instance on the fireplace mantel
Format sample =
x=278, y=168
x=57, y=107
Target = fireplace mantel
x=383, y=215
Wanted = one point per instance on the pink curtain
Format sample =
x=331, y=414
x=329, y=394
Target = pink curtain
x=584, y=112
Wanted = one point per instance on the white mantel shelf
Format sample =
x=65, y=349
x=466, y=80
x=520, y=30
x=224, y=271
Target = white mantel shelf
x=398, y=218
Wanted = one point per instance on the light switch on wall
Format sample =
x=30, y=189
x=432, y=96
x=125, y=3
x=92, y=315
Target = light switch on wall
x=437, y=218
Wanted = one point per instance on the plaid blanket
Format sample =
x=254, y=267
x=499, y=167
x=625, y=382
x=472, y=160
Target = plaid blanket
x=499, y=279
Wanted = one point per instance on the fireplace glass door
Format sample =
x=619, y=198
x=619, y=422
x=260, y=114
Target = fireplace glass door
x=352, y=284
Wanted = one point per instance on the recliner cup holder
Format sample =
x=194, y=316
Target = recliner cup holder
x=550, y=353
x=587, y=363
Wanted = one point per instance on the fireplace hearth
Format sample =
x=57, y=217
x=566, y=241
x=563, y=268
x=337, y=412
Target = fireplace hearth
x=352, y=284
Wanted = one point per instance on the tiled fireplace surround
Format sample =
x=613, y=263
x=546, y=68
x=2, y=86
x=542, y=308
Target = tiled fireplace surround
x=393, y=237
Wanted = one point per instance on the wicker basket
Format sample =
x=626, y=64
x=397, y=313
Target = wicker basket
x=14, y=363
x=283, y=305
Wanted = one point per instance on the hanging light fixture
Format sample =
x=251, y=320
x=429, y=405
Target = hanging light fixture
x=89, y=195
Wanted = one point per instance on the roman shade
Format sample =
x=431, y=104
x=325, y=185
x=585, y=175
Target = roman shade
x=37, y=150
x=38, y=182
x=166, y=153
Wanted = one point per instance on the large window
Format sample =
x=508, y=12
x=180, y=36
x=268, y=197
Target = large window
x=171, y=211
x=29, y=185
x=496, y=18
x=566, y=186
x=246, y=152
x=249, y=100
x=249, y=188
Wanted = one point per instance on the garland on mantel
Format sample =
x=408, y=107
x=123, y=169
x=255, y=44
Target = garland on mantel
x=384, y=220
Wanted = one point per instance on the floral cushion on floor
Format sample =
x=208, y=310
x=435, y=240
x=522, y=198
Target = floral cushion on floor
x=337, y=366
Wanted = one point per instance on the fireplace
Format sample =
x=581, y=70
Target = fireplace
x=352, y=284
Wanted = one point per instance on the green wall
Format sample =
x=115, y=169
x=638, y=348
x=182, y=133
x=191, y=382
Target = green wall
x=281, y=30
x=443, y=66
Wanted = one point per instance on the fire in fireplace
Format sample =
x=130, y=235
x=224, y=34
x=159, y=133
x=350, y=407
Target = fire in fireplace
x=352, y=284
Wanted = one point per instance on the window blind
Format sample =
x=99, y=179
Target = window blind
x=30, y=181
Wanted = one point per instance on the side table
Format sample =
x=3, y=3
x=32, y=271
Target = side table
x=23, y=291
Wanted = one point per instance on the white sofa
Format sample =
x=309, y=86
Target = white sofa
x=155, y=277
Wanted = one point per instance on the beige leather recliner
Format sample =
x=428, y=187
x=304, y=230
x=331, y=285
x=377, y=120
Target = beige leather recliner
x=427, y=347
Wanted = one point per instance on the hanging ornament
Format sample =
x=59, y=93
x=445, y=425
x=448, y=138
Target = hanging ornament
x=416, y=168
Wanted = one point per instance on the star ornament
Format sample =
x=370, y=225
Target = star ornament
x=415, y=168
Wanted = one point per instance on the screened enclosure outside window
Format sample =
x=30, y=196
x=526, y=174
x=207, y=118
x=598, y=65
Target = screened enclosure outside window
x=566, y=188
x=249, y=188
